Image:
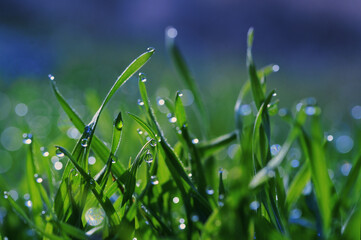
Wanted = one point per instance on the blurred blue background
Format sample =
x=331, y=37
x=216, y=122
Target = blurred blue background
x=87, y=44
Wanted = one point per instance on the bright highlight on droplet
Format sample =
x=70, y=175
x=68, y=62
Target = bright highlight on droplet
x=171, y=32
x=94, y=216
x=39, y=180
x=29, y=204
x=173, y=119
x=161, y=102
x=275, y=68
x=195, y=141
x=58, y=166
x=92, y=160
x=51, y=77
x=176, y=200
x=329, y=138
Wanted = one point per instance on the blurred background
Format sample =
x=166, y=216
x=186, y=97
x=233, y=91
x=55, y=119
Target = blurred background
x=87, y=44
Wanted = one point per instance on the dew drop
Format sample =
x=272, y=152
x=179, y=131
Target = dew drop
x=140, y=132
x=161, y=102
x=254, y=205
x=295, y=213
x=295, y=163
x=329, y=138
x=346, y=168
x=154, y=180
x=209, y=191
x=51, y=77
x=140, y=102
x=310, y=110
x=153, y=143
x=274, y=94
x=195, y=218
x=6, y=195
x=171, y=32
x=29, y=203
x=44, y=152
x=275, y=149
x=39, y=180
x=84, y=142
x=58, y=166
x=94, y=216
x=195, y=141
x=182, y=226
x=27, y=138
x=148, y=157
x=59, y=153
x=142, y=77
x=176, y=200
x=180, y=94
x=92, y=160
x=150, y=49
x=275, y=68
x=172, y=119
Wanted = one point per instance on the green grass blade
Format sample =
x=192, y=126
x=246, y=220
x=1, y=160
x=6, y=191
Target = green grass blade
x=144, y=125
x=208, y=148
x=299, y=182
x=16, y=208
x=97, y=145
x=96, y=189
x=35, y=195
x=128, y=72
x=256, y=87
x=182, y=68
x=72, y=231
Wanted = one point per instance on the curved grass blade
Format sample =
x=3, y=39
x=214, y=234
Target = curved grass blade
x=128, y=72
x=97, y=145
x=144, y=125
x=172, y=161
x=208, y=148
x=96, y=189
x=130, y=183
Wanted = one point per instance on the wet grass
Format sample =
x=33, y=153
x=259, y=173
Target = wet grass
x=173, y=189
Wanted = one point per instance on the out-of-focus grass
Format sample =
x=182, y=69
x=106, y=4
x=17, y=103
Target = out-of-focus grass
x=178, y=166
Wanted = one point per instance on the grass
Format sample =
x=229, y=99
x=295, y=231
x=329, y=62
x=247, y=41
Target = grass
x=173, y=189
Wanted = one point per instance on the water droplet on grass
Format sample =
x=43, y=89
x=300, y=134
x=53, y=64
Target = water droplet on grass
x=84, y=142
x=329, y=138
x=275, y=149
x=94, y=216
x=44, y=152
x=6, y=195
x=176, y=200
x=140, y=102
x=346, y=168
x=195, y=141
x=92, y=160
x=295, y=163
x=160, y=102
x=39, y=180
x=275, y=68
x=209, y=191
x=51, y=77
x=148, y=157
x=58, y=165
x=154, y=180
x=142, y=77
x=150, y=49
x=29, y=203
x=254, y=205
x=59, y=153
x=27, y=138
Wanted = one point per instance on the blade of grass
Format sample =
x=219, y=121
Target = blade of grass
x=182, y=68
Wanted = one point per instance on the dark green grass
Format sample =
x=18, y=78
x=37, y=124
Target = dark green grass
x=173, y=189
